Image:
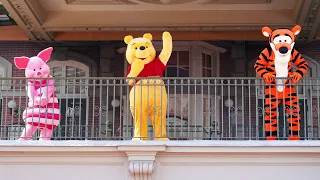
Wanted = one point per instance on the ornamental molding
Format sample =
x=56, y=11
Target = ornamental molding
x=23, y=13
x=141, y=159
x=171, y=28
x=311, y=20
x=162, y=2
x=168, y=2
x=69, y=1
x=100, y=2
x=237, y=2
x=141, y=170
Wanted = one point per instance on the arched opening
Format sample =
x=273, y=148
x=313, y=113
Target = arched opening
x=5, y=72
x=69, y=69
x=73, y=97
x=61, y=56
x=5, y=68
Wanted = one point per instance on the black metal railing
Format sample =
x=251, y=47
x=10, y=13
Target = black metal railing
x=192, y=108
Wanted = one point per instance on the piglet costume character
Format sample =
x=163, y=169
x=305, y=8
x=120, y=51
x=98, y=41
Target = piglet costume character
x=43, y=108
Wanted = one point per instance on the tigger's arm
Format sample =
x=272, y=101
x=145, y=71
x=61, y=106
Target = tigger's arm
x=260, y=65
x=300, y=62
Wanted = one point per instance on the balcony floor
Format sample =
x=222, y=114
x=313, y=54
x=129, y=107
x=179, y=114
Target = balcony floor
x=191, y=143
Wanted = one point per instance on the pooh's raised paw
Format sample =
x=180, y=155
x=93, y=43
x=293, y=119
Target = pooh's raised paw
x=166, y=35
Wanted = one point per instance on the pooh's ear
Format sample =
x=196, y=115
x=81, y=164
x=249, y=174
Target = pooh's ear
x=127, y=39
x=147, y=36
x=296, y=29
x=266, y=31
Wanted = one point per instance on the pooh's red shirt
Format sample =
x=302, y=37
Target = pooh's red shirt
x=154, y=68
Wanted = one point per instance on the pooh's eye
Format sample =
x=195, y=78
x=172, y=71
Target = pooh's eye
x=146, y=46
x=136, y=48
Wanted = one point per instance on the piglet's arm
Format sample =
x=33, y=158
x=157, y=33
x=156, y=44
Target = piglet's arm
x=48, y=90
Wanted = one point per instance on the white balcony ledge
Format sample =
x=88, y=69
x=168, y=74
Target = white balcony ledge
x=161, y=160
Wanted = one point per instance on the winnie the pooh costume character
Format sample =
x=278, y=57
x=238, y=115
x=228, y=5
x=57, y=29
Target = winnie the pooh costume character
x=148, y=97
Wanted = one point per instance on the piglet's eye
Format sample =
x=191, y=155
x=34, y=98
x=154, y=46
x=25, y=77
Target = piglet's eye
x=40, y=68
x=34, y=69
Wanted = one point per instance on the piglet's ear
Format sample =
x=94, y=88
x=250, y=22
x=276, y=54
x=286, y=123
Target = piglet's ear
x=45, y=54
x=21, y=62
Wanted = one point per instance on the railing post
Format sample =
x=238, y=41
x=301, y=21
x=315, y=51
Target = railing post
x=141, y=160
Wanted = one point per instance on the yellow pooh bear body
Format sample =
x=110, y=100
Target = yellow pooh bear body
x=148, y=97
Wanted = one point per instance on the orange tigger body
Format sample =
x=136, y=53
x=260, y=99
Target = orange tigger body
x=277, y=63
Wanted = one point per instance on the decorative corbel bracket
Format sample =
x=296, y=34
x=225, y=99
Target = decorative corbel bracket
x=141, y=159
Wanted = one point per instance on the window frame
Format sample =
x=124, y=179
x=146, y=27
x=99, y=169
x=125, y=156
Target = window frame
x=7, y=72
x=64, y=65
x=207, y=52
x=178, y=65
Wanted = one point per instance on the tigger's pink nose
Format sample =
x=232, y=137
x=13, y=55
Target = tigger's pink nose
x=39, y=73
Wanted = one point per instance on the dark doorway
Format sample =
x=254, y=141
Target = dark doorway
x=73, y=123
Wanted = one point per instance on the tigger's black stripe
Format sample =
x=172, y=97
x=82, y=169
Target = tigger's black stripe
x=269, y=69
x=264, y=56
x=304, y=67
x=300, y=72
x=263, y=73
x=301, y=63
x=273, y=133
x=259, y=64
x=260, y=69
x=293, y=132
x=296, y=57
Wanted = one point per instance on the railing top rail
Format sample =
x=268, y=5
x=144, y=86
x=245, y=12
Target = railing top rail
x=165, y=78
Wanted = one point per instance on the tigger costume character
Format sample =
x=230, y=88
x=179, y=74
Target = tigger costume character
x=277, y=63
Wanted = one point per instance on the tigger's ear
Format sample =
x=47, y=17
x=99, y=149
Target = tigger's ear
x=296, y=29
x=266, y=31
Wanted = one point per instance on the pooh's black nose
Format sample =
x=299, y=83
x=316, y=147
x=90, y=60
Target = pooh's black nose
x=142, y=48
x=283, y=50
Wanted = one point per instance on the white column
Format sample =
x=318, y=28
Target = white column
x=196, y=61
